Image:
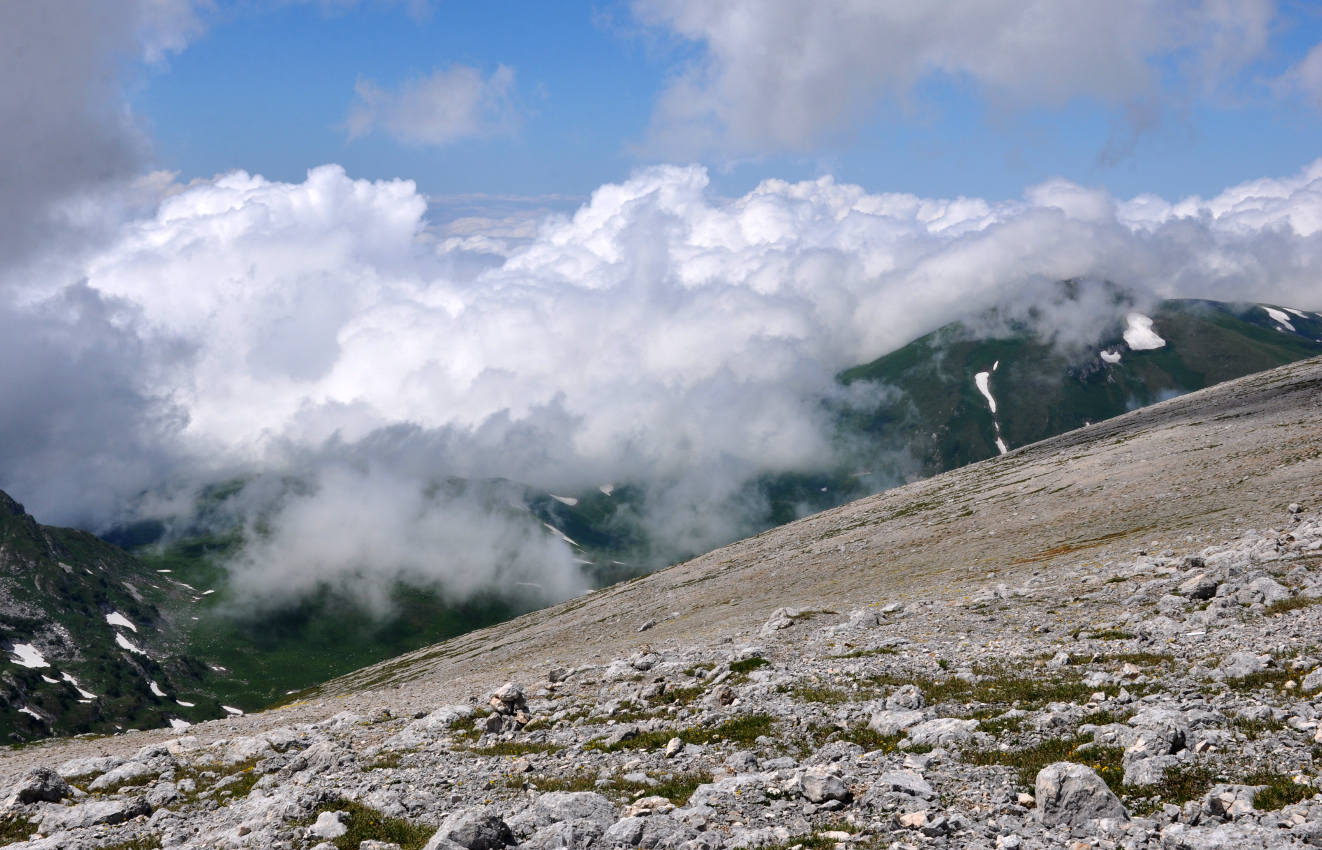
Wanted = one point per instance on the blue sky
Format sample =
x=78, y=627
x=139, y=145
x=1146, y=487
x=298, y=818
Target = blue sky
x=269, y=90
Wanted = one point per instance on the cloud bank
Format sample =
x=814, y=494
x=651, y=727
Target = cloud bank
x=658, y=336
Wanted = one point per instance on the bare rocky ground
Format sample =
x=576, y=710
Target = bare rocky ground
x=1108, y=639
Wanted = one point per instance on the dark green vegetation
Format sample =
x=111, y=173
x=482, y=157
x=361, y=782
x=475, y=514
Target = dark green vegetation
x=59, y=585
x=1044, y=389
x=1028, y=760
x=367, y=824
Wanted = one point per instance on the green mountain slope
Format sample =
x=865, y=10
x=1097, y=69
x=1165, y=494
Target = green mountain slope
x=87, y=630
x=942, y=417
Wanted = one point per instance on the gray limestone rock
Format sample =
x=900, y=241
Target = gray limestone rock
x=905, y=782
x=1071, y=794
x=94, y=813
x=41, y=785
x=819, y=784
x=476, y=829
x=557, y=806
x=1200, y=586
x=328, y=825
x=1241, y=664
x=894, y=722
x=941, y=732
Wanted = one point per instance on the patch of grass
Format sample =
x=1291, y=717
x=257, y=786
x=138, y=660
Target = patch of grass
x=1027, y=761
x=1116, y=580
x=511, y=748
x=816, y=693
x=805, y=842
x=1180, y=784
x=867, y=653
x=676, y=788
x=996, y=726
x=1294, y=603
x=744, y=729
x=1113, y=634
x=229, y=780
x=1139, y=659
x=15, y=828
x=1254, y=729
x=1273, y=679
x=367, y=824
x=867, y=738
x=747, y=665
x=570, y=782
x=1281, y=791
x=679, y=696
x=1107, y=716
x=388, y=760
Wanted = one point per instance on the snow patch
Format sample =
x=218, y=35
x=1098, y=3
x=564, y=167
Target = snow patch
x=1139, y=335
x=115, y=618
x=1300, y=313
x=185, y=704
x=156, y=689
x=607, y=489
x=165, y=571
x=176, y=723
x=27, y=710
x=26, y=655
x=565, y=500
x=983, y=380
x=126, y=643
x=1111, y=357
x=558, y=533
x=48, y=680
x=82, y=693
x=1278, y=317
x=237, y=712
x=1000, y=445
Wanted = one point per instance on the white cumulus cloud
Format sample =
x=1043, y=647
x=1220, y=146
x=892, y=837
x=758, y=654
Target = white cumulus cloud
x=658, y=336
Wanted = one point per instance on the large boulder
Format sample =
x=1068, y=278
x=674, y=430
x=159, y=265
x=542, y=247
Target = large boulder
x=41, y=785
x=555, y=807
x=820, y=783
x=1071, y=795
x=942, y=732
x=94, y=813
x=475, y=829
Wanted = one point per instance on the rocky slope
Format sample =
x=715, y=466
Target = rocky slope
x=1108, y=639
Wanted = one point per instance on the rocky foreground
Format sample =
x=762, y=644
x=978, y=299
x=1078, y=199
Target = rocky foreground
x=1189, y=720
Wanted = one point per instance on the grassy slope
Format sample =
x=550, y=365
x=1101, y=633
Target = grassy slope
x=1041, y=391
